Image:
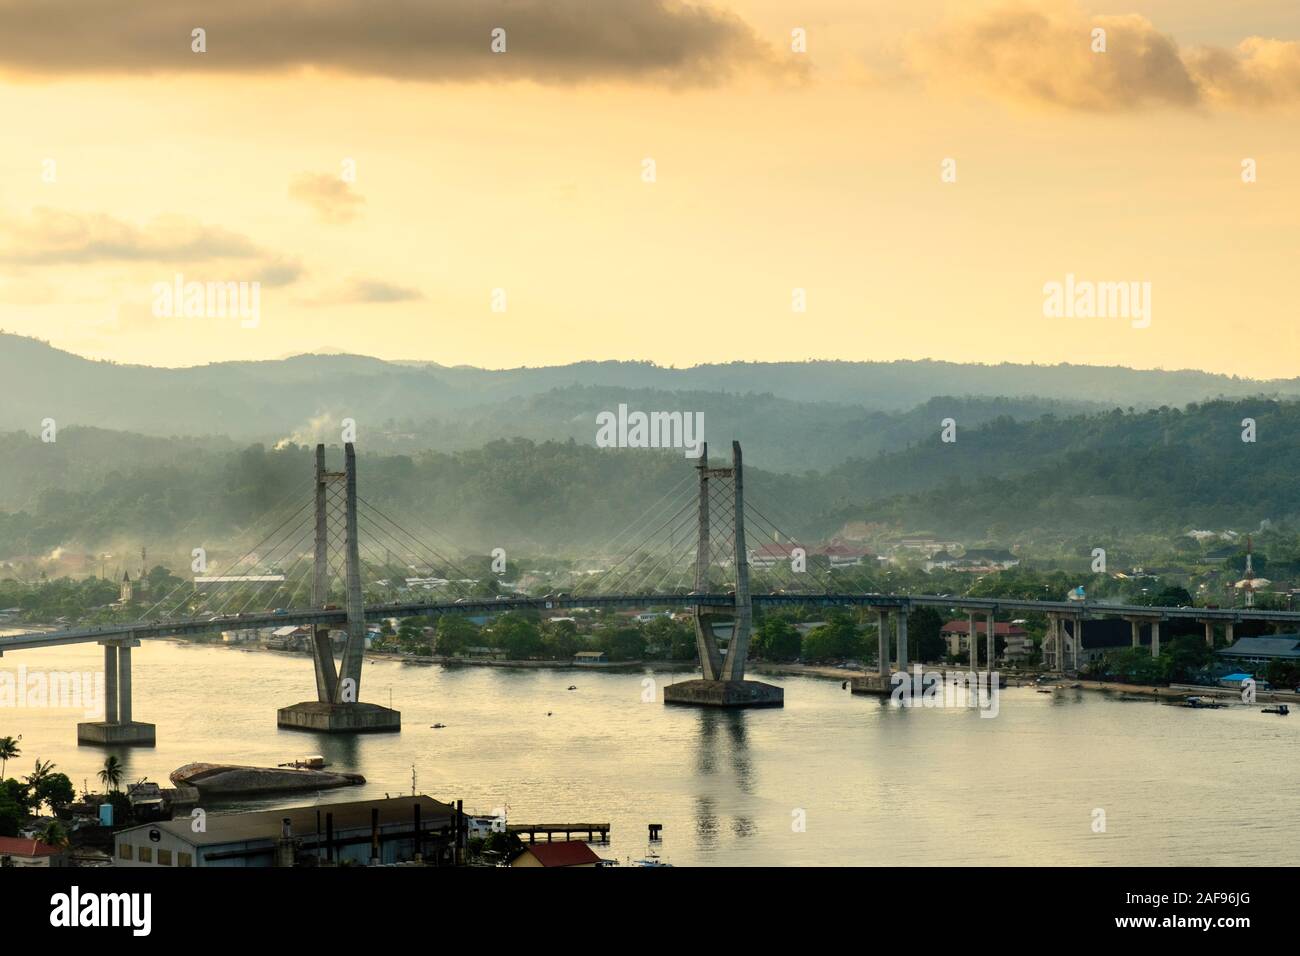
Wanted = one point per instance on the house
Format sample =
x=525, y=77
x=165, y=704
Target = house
x=590, y=657
x=772, y=554
x=973, y=560
x=1262, y=650
x=842, y=556
x=563, y=853
x=25, y=851
x=338, y=832
x=957, y=634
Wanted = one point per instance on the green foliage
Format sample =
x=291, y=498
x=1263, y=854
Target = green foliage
x=837, y=639
x=777, y=639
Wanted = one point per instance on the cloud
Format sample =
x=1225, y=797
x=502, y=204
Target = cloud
x=550, y=41
x=55, y=237
x=1042, y=55
x=334, y=200
x=373, y=291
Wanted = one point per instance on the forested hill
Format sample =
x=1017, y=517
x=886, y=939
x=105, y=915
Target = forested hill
x=409, y=406
x=1163, y=471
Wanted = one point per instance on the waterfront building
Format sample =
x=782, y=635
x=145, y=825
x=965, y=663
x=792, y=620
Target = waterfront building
x=354, y=833
x=1262, y=651
x=563, y=853
x=590, y=657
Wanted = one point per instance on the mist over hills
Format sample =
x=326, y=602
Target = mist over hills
x=829, y=410
x=507, y=458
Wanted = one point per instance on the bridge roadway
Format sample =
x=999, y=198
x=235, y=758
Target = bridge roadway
x=168, y=628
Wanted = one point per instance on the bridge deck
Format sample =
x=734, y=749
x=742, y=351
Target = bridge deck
x=166, y=628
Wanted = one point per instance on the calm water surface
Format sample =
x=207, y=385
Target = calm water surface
x=877, y=785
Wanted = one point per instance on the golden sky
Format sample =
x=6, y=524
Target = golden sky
x=775, y=170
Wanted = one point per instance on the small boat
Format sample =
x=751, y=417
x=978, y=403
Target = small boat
x=1042, y=691
x=650, y=859
x=573, y=687
x=309, y=762
x=1202, y=703
x=1075, y=686
x=1281, y=710
x=437, y=726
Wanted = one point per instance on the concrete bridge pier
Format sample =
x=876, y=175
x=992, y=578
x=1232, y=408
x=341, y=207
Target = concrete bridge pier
x=723, y=683
x=118, y=728
x=991, y=645
x=338, y=708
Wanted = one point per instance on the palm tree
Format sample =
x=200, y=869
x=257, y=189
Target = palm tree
x=111, y=775
x=54, y=834
x=41, y=771
x=8, y=751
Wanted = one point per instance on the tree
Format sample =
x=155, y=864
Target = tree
x=12, y=813
x=8, y=751
x=778, y=640
x=837, y=638
x=625, y=644
x=111, y=775
x=560, y=639
x=517, y=636
x=54, y=789
x=924, y=625
x=454, y=634
x=39, y=773
x=55, y=834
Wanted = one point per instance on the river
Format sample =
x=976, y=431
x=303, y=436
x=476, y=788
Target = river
x=1069, y=778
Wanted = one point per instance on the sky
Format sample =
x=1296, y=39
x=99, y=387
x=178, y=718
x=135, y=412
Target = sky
x=643, y=179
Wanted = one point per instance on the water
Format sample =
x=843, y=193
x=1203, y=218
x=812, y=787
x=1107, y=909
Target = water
x=876, y=785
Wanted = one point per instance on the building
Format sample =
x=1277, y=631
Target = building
x=590, y=657
x=1262, y=651
x=324, y=834
x=981, y=560
x=957, y=634
x=563, y=853
x=25, y=852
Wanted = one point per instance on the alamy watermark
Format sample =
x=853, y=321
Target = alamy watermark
x=179, y=299
x=624, y=429
x=56, y=690
x=1085, y=299
x=947, y=689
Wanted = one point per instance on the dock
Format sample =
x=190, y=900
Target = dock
x=550, y=829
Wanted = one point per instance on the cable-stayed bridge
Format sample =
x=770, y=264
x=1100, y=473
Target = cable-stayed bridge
x=334, y=561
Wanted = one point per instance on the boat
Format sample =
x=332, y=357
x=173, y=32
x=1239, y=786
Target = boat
x=437, y=726
x=214, y=780
x=309, y=762
x=1202, y=703
x=1042, y=691
x=1281, y=710
x=573, y=687
x=651, y=858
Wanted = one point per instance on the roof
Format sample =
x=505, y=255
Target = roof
x=25, y=846
x=1237, y=677
x=1282, y=645
x=1000, y=628
x=564, y=853
x=265, y=824
x=590, y=654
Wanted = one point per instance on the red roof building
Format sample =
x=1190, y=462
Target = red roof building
x=564, y=853
x=24, y=851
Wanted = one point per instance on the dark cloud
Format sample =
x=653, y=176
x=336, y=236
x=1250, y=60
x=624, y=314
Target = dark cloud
x=556, y=41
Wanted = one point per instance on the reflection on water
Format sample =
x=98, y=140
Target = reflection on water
x=875, y=784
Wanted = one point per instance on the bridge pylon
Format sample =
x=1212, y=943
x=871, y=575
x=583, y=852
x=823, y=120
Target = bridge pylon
x=723, y=681
x=118, y=728
x=338, y=708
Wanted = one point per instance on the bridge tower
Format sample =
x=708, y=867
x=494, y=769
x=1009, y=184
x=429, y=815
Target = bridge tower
x=338, y=708
x=723, y=681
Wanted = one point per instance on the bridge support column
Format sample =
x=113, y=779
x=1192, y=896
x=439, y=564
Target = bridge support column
x=882, y=643
x=901, y=618
x=1227, y=633
x=1155, y=638
x=1136, y=627
x=118, y=728
x=110, y=684
x=1209, y=633
x=991, y=646
x=338, y=709
x=723, y=683
x=973, y=635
